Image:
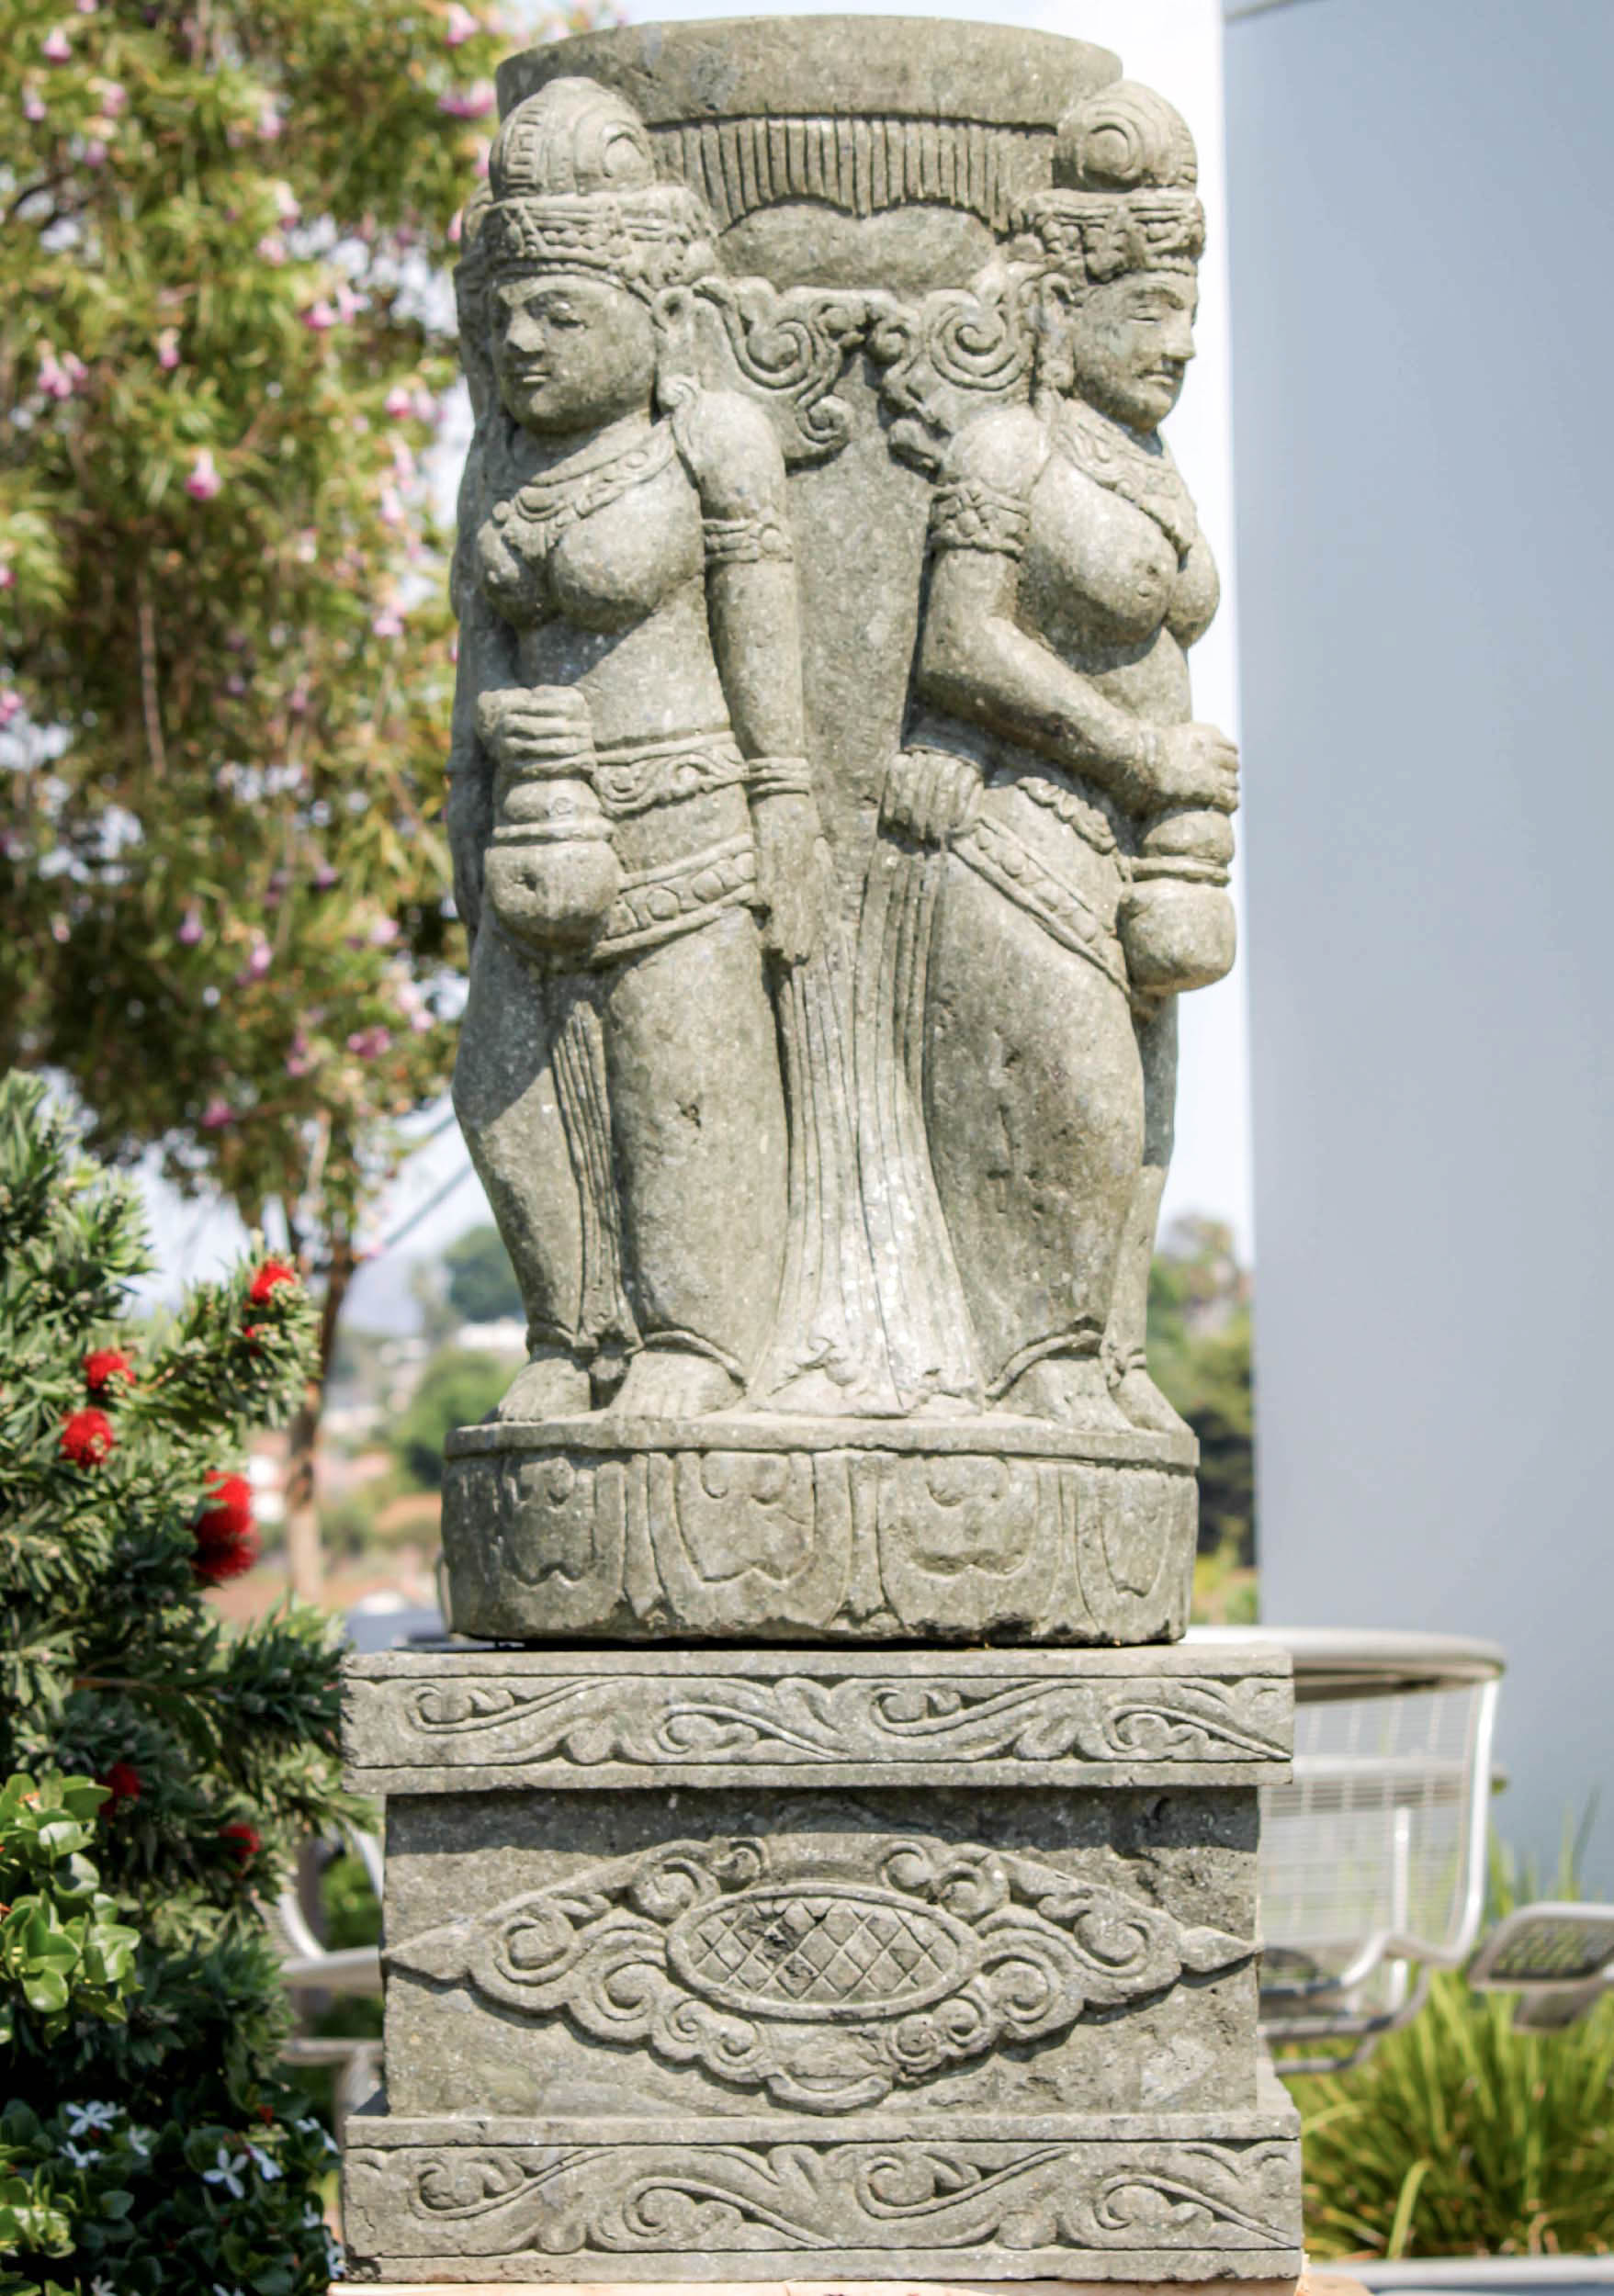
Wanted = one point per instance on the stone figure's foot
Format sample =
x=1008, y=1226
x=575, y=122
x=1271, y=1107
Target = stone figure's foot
x=1146, y=1406
x=672, y=1383
x=1070, y=1389
x=549, y=1386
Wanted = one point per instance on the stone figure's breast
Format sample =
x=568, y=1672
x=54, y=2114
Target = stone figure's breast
x=604, y=569
x=1097, y=570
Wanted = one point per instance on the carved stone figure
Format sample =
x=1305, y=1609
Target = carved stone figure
x=630, y=786
x=1065, y=817
x=836, y=836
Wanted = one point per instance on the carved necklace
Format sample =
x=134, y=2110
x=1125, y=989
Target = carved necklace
x=1115, y=458
x=533, y=519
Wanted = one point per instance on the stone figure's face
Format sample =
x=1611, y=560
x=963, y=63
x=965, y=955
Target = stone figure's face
x=1130, y=341
x=571, y=352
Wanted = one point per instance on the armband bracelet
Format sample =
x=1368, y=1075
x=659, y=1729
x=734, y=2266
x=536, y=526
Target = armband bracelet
x=779, y=777
x=744, y=541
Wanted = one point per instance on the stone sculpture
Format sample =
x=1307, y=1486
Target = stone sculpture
x=835, y=838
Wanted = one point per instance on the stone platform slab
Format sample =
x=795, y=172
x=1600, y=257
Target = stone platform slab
x=428, y=1722
x=1116, y=2198
x=1290, y=2287
x=748, y=1528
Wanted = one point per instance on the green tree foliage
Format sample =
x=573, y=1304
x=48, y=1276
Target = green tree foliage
x=1200, y=1356
x=481, y=1281
x=1462, y=2135
x=457, y=1387
x=145, y=2119
x=225, y=649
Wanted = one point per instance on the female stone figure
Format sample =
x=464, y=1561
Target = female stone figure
x=1075, y=815
x=630, y=791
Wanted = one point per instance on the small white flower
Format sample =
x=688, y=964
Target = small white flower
x=228, y=2174
x=101, y=2286
x=268, y=2169
x=313, y=2218
x=78, y=2158
x=82, y=2117
x=140, y=2140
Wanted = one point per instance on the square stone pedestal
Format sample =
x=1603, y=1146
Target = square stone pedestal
x=701, y=1964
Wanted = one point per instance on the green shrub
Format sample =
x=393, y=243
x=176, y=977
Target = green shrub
x=149, y=2144
x=1462, y=2135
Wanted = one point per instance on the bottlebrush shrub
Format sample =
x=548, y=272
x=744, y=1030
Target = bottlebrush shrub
x=149, y=2144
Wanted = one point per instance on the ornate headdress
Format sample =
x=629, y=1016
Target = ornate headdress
x=1123, y=199
x=572, y=186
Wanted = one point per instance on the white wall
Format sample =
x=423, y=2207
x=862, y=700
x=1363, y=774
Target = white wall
x=1422, y=339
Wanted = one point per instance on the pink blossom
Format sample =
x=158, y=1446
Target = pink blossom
x=95, y=153
x=324, y=877
x=397, y=403
x=235, y=685
x=403, y=461
x=260, y=957
x=391, y=508
x=168, y=349
x=297, y=701
x=461, y=26
x=217, y=1114
x=320, y=317
x=426, y=409
x=456, y=227
x=56, y=378
x=269, y=123
x=298, y=1061
x=383, y=933
x=485, y=162
x=349, y=305
x=114, y=96
x=204, y=481
x=56, y=48
x=371, y=1042
x=10, y=702
x=470, y=102
x=87, y=7
x=271, y=248
x=389, y=623
x=285, y=200
x=33, y=105
x=190, y=929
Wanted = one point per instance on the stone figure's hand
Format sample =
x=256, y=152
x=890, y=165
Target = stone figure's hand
x=1194, y=765
x=793, y=874
x=929, y=796
x=536, y=726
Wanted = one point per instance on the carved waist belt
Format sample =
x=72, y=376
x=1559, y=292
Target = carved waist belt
x=632, y=776
x=659, y=905
x=1007, y=865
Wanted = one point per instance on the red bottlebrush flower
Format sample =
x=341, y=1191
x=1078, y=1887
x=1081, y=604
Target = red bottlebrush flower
x=212, y=1565
x=86, y=1438
x=266, y=2115
x=252, y=1334
x=244, y=1839
x=102, y=1365
x=229, y=1512
x=226, y=1535
x=124, y=1783
x=268, y=1279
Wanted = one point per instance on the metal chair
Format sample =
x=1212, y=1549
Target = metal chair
x=1373, y=1858
x=1557, y=1956
x=307, y=1967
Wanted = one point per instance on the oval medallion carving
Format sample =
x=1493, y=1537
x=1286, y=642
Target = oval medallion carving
x=823, y=1953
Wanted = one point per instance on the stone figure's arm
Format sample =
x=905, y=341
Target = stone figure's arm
x=978, y=662
x=753, y=610
x=485, y=664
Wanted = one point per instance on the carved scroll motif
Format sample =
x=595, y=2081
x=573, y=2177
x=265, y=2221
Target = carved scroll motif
x=659, y=1720
x=827, y=1987
x=1159, y=2196
x=961, y=350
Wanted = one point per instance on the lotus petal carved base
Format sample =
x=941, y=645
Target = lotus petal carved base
x=844, y=1530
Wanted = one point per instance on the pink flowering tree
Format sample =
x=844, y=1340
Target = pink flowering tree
x=225, y=650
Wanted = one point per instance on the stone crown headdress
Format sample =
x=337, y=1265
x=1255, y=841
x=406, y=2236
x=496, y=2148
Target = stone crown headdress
x=1124, y=200
x=572, y=186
